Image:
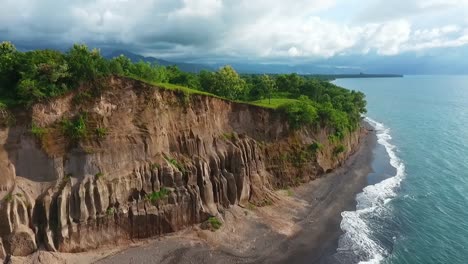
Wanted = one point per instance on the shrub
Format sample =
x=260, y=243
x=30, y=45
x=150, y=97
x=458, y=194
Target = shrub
x=315, y=147
x=300, y=113
x=101, y=132
x=76, y=128
x=37, y=131
x=67, y=177
x=155, y=166
x=8, y=198
x=99, y=175
x=338, y=149
x=176, y=164
x=82, y=97
x=215, y=223
x=156, y=196
x=110, y=211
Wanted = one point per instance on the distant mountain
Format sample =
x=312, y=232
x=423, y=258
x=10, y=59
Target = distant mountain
x=187, y=67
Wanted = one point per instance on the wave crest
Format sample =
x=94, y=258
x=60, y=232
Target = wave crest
x=372, y=202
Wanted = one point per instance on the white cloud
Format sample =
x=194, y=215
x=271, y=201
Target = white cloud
x=265, y=29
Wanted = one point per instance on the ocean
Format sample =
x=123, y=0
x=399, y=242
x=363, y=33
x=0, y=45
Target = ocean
x=415, y=208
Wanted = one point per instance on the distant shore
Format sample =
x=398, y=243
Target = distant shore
x=303, y=227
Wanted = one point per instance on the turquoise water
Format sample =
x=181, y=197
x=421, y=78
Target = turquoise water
x=420, y=213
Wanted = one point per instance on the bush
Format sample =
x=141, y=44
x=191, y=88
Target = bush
x=8, y=198
x=339, y=149
x=300, y=113
x=101, y=132
x=99, y=175
x=156, y=196
x=176, y=164
x=76, y=128
x=110, y=211
x=215, y=223
x=37, y=131
x=315, y=147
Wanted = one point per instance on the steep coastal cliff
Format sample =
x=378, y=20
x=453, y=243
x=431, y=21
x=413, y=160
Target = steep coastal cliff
x=138, y=161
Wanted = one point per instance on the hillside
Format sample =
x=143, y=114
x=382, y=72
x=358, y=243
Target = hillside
x=137, y=161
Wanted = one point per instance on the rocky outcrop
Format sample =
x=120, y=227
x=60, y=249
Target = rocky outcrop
x=153, y=161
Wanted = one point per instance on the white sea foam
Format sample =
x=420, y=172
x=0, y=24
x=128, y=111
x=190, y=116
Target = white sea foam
x=371, y=202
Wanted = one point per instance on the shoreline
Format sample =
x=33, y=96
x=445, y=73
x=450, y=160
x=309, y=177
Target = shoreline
x=302, y=227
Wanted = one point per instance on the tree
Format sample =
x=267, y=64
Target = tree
x=267, y=86
x=229, y=84
x=86, y=65
x=9, y=68
x=225, y=82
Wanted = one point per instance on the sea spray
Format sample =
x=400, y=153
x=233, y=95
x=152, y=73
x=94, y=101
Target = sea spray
x=359, y=226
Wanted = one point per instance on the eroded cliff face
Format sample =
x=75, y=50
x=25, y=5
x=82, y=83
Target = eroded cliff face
x=207, y=154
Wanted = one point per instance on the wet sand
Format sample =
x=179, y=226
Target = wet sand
x=303, y=227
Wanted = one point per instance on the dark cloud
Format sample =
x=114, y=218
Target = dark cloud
x=215, y=30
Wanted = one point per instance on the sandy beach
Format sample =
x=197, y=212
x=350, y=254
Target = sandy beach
x=303, y=227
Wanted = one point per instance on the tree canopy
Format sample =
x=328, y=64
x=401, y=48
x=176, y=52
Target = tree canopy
x=33, y=76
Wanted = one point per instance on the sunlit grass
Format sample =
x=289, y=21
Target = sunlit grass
x=274, y=103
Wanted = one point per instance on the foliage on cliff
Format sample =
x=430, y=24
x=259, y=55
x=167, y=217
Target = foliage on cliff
x=29, y=77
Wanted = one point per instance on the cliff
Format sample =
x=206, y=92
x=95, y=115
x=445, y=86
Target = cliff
x=151, y=161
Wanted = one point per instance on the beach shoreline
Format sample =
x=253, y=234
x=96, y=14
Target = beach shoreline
x=303, y=226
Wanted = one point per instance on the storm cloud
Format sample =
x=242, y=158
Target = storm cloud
x=273, y=30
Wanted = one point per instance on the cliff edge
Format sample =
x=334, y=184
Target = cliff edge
x=135, y=161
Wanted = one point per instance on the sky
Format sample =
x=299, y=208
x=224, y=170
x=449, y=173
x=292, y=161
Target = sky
x=251, y=31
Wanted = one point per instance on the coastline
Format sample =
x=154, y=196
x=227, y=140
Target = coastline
x=302, y=227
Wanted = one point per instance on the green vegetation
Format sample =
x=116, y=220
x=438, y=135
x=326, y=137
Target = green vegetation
x=37, y=131
x=156, y=196
x=176, y=164
x=34, y=76
x=274, y=103
x=67, y=177
x=339, y=149
x=315, y=147
x=110, y=211
x=8, y=198
x=101, y=132
x=155, y=166
x=229, y=136
x=99, y=175
x=215, y=223
x=75, y=128
x=82, y=97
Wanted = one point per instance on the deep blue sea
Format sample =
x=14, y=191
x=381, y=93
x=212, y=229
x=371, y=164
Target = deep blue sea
x=415, y=209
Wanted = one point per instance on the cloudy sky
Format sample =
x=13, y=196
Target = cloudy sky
x=265, y=31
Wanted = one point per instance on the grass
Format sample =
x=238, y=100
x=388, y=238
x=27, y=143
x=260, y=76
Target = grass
x=215, y=223
x=275, y=102
x=67, y=177
x=156, y=196
x=75, y=128
x=229, y=136
x=37, y=131
x=339, y=149
x=101, y=132
x=110, y=211
x=176, y=164
x=8, y=198
x=174, y=87
x=155, y=166
x=251, y=206
x=99, y=175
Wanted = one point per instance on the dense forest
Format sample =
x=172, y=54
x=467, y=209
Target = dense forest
x=38, y=75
